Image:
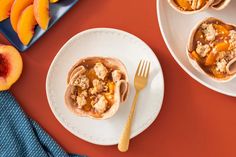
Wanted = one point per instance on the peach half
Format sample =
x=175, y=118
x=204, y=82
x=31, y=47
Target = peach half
x=11, y=66
x=41, y=12
x=26, y=25
x=5, y=8
x=16, y=10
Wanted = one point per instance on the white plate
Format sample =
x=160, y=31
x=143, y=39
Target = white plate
x=113, y=43
x=175, y=29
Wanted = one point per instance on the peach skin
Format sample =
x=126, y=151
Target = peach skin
x=16, y=10
x=26, y=24
x=5, y=8
x=41, y=12
x=11, y=66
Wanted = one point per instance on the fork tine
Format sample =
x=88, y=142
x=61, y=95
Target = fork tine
x=145, y=68
x=142, y=68
x=138, y=69
x=148, y=70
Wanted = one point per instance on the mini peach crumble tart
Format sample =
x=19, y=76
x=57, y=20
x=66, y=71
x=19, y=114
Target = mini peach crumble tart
x=212, y=49
x=190, y=6
x=96, y=87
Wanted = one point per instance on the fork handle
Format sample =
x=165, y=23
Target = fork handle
x=123, y=144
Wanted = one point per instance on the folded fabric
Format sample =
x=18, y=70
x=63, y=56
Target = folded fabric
x=21, y=136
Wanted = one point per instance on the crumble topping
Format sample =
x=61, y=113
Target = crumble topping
x=82, y=81
x=93, y=90
x=81, y=101
x=232, y=40
x=209, y=31
x=221, y=65
x=100, y=70
x=98, y=86
x=202, y=50
x=101, y=105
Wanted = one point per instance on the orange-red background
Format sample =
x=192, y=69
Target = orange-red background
x=194, y=121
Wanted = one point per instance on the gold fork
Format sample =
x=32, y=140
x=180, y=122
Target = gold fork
x=140, y=81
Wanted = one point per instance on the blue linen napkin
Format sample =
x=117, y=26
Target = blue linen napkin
x=21, y=136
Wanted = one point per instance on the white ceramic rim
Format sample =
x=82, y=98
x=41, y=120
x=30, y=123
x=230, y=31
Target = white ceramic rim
x=178, y=61
x=140, y=129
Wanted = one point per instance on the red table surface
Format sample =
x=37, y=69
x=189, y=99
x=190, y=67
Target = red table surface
x=194, y=120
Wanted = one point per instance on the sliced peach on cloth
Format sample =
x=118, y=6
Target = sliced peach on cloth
x=41, y=12
x=11, y=66
x=5, y=8
x=26, y=24
x=16, y=10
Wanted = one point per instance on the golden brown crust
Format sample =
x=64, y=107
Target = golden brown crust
x=220, y=4
x=216, y=2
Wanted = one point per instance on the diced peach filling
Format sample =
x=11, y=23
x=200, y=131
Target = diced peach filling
x=219, y=47
x=190, y=5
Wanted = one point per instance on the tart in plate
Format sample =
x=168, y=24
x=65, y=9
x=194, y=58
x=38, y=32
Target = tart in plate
x=212, y=49
x=195, y=6
x=96, y=87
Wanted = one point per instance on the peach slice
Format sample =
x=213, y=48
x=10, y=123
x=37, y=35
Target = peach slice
x=5, y=8
x=16, y=10
x=53, y=1
x=41, y=12
x=11, y=66
x=26, y=24
x=184, y=4
x=221, y=29
x=211, y=57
